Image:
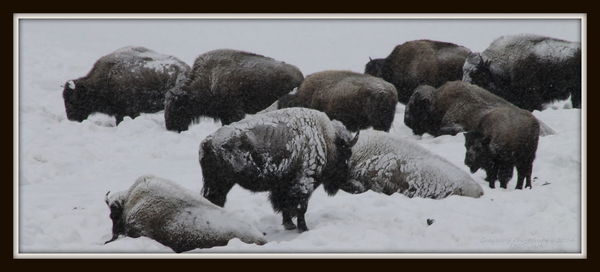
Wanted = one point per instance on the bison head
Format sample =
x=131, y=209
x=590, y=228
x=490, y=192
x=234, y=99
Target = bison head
x=115, y=204
x=477, y=71
x=477, y=155
x=419, y=114
x=337, y=172
x=289, y=100
x=79, y=101
x=178, y=110
x=375, y=67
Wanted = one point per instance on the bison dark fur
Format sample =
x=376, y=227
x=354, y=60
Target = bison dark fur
x=127, y=82
x=226, y=84
x=419, y=62
x=357, y=100
x=287, y=152
x=528, y=70
x=510, y=134
x=504, y=139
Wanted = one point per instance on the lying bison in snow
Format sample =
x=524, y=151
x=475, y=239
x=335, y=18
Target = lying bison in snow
x=419, y=62
x=528, y=70
x=160, y=209
x=357, y=100
x=226, y=84
x=127, y=82
x=509, y=133
x=446, y=110
x=287, y=152
x=387, y=164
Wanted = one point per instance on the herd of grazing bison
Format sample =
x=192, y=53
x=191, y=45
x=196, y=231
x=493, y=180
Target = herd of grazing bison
x=306, y=131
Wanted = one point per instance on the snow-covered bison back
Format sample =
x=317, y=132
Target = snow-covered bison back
x=357, y=100
x=386, y=164
x=127, y=82
x=528, y=70
x=287, y=152
x=162, y=210
x=226, y=84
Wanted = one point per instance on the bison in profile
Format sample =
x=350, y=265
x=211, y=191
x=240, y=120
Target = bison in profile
x=287, y=152
x=508, y=136
x=528, y=70
x=160, y=209
x=359, y=101
x=226, y=84
x=386, y=164
x=419, y=62
x=127, y=82
x=446, y=110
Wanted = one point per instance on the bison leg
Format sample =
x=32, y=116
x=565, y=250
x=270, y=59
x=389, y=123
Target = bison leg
x=521, y=175
x=300, y=192
x=287, y=221
x=491, y=174
x=505, y=172
x=119, y=119
x=524, y=173
x=302, y=207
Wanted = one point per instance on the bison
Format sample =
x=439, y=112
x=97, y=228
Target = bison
x=528, y=70
x=226, y=84
x=419, y=62
x=386, y=164
x=127, y=82
x=509, y=133
x=359, y=101
x=504, y=139
x=445, y=111
x=162, y=210
x=287, y=152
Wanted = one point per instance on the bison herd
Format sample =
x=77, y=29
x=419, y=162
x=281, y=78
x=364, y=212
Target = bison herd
x=306, y=131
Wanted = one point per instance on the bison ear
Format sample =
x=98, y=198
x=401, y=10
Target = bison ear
x=354, y=140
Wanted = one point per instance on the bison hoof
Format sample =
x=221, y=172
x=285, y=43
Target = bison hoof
x=302, y=229
x=289, y=226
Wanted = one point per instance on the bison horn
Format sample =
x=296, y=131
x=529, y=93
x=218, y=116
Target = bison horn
x=106, y=198
x=370, y=59
x=354, y=140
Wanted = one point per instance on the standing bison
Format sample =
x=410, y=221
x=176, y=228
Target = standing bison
x=287, y=152
x=127, y=82
x=159, y=209
x=226, y=84
x=387, y=164
x=420, y=62
x=528, y=70
x=507, y=134
x=359, y=101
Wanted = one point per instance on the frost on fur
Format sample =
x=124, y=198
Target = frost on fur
x=286, y=152
x=383, y=163
x=162, y=210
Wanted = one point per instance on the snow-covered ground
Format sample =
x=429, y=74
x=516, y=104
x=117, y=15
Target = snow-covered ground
x=66, y=167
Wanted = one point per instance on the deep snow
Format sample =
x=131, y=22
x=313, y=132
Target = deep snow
x=65, y=167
